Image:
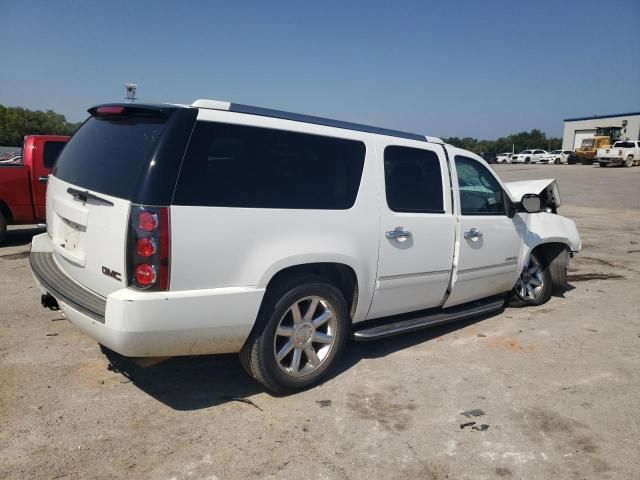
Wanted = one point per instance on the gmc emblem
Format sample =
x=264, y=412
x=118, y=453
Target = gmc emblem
x=112, y=273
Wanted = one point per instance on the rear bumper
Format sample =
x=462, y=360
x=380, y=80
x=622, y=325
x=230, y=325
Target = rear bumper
x=150, y=324
x=610, y=161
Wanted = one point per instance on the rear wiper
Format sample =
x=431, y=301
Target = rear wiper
x=84, y=196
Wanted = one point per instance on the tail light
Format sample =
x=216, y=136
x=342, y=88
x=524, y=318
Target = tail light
x=148, y=248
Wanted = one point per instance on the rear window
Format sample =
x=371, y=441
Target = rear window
x=240, y=166
x=108, y=155
x=52, y=152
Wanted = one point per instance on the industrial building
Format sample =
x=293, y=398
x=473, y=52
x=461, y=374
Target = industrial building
x=577, y=129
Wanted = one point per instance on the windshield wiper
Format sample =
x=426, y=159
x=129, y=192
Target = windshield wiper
x=84, y=196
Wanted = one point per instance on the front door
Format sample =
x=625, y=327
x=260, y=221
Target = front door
x=489, y=242
x=417, y=229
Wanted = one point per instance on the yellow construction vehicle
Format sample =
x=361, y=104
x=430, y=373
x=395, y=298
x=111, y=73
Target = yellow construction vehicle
x=604, y=138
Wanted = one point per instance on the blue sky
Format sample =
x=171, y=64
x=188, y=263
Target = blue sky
x=463, y=68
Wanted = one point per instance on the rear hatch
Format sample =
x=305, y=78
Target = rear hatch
x=107, y=166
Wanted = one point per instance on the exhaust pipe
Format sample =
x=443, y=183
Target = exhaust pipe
x=49, y=302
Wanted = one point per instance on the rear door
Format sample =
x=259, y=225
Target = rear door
x=417, y=228
x=90, y=191
x=490, y=242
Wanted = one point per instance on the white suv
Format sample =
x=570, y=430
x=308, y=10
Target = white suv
x=219, y=227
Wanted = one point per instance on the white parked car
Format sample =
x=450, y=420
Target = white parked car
x=529, y=156
x=219, y=227
x=625, y=152
x=504, y=157
x=556, y=157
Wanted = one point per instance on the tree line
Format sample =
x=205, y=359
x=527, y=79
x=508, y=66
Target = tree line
x=518, y=141
x=16, y=122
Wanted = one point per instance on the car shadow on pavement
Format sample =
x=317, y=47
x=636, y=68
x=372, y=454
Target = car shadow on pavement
x=204, y=381
x=18, y=237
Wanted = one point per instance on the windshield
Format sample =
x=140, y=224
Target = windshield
x=108, y=155
x=525, y=152
x=587, y=143
x=556, y=152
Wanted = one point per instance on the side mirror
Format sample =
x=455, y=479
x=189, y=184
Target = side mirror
x=531, y=203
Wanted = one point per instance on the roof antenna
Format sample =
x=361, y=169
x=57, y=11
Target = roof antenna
x=131, y=91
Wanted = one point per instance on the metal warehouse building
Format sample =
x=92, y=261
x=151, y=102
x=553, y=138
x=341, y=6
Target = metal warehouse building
x=577, y=129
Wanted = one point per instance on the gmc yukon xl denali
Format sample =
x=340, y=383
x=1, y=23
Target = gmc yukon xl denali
x=220, y=227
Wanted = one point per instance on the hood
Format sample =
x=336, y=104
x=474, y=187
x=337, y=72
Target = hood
x=547, y=189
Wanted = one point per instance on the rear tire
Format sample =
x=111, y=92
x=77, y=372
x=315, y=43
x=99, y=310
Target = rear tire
x=301, y=330
x=534, y=284
x=602, y=164
x=3, y=227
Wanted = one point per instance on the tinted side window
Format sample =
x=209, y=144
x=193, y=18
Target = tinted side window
x=413, y=180
x=240, y=166
x=480, y=192
x=51, y=152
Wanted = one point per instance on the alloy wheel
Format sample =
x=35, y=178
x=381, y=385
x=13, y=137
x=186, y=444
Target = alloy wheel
x=531, y=281
x=305, y=336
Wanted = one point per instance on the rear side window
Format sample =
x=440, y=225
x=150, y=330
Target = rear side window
x=413, y=180
x=108, y=155
x=52, y=152
x=241, y=166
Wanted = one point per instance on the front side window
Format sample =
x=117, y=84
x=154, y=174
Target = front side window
x=480, y=192
x=251, y=167
x=413, y=180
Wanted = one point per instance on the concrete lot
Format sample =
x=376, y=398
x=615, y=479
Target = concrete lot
x=559, y=384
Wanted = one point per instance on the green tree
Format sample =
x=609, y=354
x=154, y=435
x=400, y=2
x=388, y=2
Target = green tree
x=16, y=122
x=521, y=141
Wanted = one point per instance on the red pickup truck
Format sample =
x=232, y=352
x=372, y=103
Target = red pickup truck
x=23, y=183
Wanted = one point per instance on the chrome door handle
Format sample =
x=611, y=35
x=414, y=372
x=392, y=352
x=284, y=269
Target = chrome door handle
x=473, y=233
x=398, y=234
x=43, y=179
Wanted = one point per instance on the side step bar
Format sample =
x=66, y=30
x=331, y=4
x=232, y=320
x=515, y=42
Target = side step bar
x=405, y=325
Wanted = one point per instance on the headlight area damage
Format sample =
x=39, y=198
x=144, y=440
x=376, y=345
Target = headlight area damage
x=547, y=189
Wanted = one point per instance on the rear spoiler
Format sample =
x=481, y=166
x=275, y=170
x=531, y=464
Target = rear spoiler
x=132, y=109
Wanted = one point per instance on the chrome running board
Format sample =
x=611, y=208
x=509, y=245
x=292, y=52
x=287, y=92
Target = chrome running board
x=387, y=327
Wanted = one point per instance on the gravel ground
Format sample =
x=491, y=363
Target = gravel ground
x=558, y=384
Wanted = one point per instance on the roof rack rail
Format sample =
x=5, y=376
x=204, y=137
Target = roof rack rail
x=299, y=117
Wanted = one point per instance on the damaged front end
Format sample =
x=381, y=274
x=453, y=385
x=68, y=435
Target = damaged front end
x=547, y=189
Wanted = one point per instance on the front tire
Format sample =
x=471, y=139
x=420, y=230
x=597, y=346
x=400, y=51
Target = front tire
x=299, y=335
x=602, y=164
x=527, y=160
x=628, y=163
x=534, y=285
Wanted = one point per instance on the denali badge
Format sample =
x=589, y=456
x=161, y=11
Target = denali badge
x=112, y=273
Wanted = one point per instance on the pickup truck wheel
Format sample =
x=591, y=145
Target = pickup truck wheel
x=602, y=164
x=534, y=284
x=3, y=226
x=629, y=161
x=300, y=332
